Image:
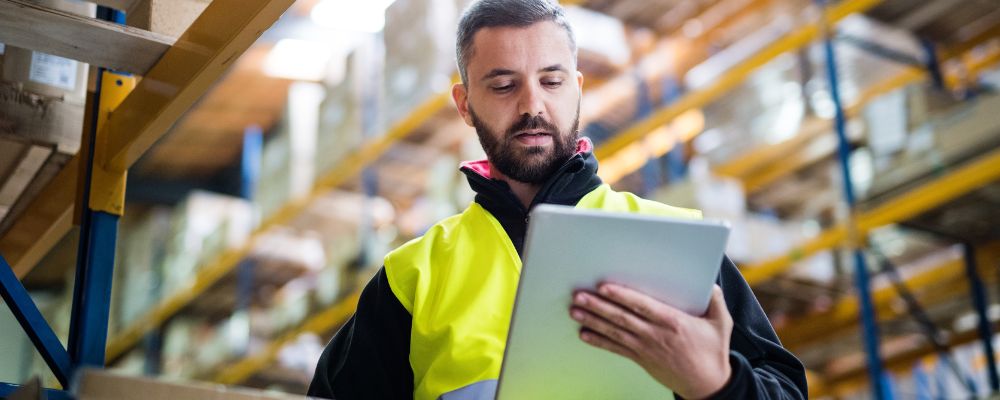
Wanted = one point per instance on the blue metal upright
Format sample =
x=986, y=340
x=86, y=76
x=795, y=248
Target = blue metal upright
x=34, y=325
x=933, y=63
x=92, y=289
x=979, y=300
x=881, y=387
x=651, y=171
x=250, y=164
x=250, y=159
x=676, y=158
x=88, y=330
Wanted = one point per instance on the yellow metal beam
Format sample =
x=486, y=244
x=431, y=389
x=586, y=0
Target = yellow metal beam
x=107, y=188
x=740, y=166
x=320, y=323
x=844, y=315
x=934, y=193
x=735, y=76
x=932, y=286
x=944, y=188
x=816, y=384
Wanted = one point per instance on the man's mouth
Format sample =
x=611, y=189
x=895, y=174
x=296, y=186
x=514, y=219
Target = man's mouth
x=533, y=133
x=535, y=137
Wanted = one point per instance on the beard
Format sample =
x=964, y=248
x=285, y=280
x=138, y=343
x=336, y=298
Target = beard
x=528, y=164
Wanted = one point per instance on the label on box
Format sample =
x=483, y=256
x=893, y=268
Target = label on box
x=3, y=48
x=53, y=70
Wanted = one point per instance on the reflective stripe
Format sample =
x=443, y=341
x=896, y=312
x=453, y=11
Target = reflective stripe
x=482, y=390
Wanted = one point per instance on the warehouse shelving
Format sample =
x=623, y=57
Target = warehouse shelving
x=188, y=69
x=228, y=261
x=370, y=152
x=173, y=82
x=54, y=211
x=733, y=77
x=843, y=314
x=940, y=190
x=762, y=166
x=755, y=274
x=939, y=283
x=932, y=194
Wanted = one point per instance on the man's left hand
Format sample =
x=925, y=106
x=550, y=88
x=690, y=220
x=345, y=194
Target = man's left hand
x=688, y=354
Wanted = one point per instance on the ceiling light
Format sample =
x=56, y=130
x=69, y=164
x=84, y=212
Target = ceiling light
x=298, y=60
x=358, y=16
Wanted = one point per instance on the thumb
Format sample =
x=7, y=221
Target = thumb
x=717, y=310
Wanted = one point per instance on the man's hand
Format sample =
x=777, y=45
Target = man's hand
x=689, y=355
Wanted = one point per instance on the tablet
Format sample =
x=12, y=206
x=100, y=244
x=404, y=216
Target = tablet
x=673, y=260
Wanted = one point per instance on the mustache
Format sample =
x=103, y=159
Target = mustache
x=531, y=122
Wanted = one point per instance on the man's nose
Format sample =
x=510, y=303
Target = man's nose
x=530, y=102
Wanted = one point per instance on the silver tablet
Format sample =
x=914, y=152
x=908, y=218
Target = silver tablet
x=673, y=260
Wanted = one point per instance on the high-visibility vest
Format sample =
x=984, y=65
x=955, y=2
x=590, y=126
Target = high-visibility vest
x=458, y=281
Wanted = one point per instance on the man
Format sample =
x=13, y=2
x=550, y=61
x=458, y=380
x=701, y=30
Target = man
x=432, y=323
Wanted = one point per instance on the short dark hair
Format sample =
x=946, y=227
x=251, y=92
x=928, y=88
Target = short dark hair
x=496, y=13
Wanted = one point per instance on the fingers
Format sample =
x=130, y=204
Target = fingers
x=597, y=340
x=610, y=312
x=643, y=305
x=604, y=327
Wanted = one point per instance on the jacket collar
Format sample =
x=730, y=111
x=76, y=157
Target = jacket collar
x=576, y=178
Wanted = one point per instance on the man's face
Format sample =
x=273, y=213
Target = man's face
x=523, y=98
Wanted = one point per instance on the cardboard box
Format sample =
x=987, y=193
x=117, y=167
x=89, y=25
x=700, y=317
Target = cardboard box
x=42, y=96
x=46, y=106
x=168, y=17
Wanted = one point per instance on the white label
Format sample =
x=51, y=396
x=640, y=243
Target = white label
x=3, y=48
x=53, y=70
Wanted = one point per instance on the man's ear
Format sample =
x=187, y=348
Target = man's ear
x=460, y=95
x=579, y=81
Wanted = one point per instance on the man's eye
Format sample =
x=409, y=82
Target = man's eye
x=504, y=88
x=552, y=84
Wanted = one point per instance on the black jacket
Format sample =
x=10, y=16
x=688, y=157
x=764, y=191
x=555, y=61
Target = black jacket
x=369, y=357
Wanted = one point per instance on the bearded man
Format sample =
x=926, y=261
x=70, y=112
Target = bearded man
x=432, y=323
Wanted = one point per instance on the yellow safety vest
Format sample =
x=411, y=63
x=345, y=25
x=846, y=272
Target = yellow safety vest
x=458, y=281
